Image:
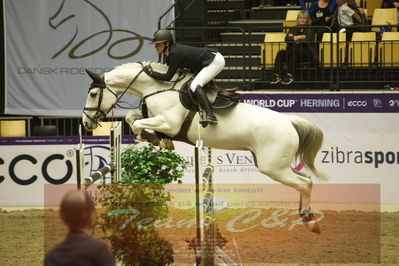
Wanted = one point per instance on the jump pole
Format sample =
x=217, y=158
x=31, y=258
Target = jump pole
x=115, y=142
x=205, y=227
x=79, y=152
x=207, y=252
x=210, y=237
x=114, y=167
x=198, y=243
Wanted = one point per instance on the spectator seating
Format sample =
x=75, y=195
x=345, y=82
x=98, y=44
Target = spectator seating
x=273, y=43
x=325, y=57
x=362, y=49
x=103, y=129
x=389, y=49
x=290, y=18
x=370, y=56
x=371, y=5
x=384, y=16
x=13, y=128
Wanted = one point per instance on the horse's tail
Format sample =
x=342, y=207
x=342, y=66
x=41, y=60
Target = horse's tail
x=310, y=141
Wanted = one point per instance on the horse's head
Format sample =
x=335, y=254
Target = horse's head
x=100, y=100
x=104, y=94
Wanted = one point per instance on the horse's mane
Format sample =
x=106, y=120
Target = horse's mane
x=159, y=67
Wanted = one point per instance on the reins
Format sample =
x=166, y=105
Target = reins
x=180, y=77
x=100, y=114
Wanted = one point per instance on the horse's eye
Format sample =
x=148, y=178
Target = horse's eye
x=93, y=94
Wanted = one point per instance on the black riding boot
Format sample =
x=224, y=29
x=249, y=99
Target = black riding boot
x=206, y=105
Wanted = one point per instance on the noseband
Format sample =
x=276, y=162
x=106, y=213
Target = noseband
x=99, y=115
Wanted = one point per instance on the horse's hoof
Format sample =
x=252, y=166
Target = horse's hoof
x=167, y=144
x=140, y=138
x=150, y=137
x=154, y=142
x=309, y=221
x=313, y=227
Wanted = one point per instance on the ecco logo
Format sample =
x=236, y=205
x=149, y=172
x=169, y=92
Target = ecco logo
x=357, y=103
x=44, y=169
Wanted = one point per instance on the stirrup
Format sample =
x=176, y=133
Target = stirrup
x=204, y=120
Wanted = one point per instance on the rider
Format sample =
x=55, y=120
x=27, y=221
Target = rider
x=205, y=62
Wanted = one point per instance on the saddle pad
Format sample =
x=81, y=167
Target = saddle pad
x=188, y=100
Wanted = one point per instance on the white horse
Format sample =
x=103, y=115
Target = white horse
x=275, y=139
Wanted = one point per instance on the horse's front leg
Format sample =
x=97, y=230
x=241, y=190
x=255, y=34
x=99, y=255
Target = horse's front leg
x=132, y=116
x=144, y=135
x=157, y=123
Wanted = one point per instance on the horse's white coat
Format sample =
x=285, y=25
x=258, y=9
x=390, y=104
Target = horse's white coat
x=269, y=135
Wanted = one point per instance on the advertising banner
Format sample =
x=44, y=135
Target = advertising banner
x=326, y=102
x=359, y=148
x=50, y=43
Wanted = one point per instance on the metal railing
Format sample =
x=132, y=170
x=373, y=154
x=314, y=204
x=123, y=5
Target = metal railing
x=180, y=8
x=307, y=63
x=339, y=63
x=211, y=37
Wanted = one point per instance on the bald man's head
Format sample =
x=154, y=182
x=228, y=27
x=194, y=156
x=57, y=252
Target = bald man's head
x=76, y=209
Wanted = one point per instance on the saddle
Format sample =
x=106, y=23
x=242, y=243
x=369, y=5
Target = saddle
x=220, y=98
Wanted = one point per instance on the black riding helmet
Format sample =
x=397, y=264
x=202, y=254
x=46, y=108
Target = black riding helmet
x=162, y=36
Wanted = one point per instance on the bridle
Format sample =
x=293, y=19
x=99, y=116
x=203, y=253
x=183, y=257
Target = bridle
x=99, y=115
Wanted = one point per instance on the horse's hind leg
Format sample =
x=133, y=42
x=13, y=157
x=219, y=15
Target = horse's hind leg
x=277, y=165
x=301, y=182
x=280, y=170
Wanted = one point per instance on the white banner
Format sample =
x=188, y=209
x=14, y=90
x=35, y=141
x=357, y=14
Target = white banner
x=50, y=43
x=358, y=149
x=25, y=169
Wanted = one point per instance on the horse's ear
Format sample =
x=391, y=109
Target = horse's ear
x=95, y=77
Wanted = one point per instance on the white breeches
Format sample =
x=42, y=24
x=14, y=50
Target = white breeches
x=208, y=72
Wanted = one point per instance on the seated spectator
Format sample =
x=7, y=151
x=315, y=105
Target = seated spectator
x=300, y=48
x=302, y=3
x=390, y=4
x=79, y=248
x=321, y=13
x=332, y=7
x=352, y=4
x=346, y=17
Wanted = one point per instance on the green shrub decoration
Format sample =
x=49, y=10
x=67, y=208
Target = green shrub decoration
x=151, y=165
x=130, y=208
